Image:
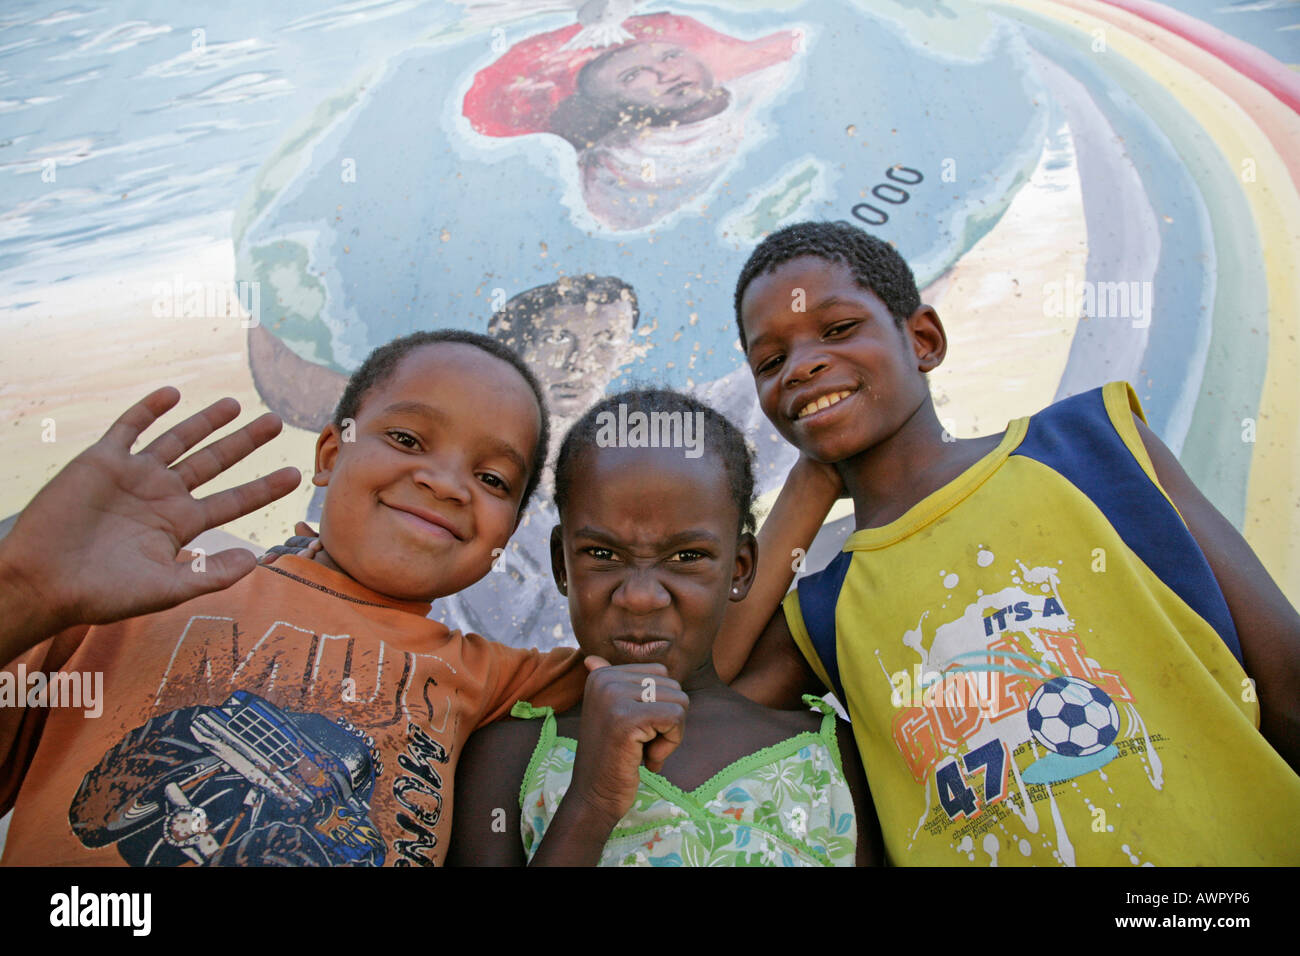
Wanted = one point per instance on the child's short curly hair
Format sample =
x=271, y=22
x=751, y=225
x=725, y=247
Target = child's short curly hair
x=720, y=437
x=383, y=361
x=875, y=264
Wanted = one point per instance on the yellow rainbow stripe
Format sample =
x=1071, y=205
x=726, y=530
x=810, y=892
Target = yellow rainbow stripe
x=1244, y=120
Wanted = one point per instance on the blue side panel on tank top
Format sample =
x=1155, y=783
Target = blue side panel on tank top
x=818, y=595
x=1077, y=439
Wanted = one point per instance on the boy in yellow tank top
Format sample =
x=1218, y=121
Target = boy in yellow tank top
x=1053, y=649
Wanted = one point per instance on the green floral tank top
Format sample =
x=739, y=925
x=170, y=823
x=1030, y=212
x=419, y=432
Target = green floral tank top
x=786, y=805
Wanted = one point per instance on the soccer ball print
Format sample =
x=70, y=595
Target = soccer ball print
x=1072, y=717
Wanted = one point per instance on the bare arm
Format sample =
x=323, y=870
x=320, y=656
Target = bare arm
x=871, y=847
x=1267, y=624
x=796, y=517
x=485, y=822
x=776, y=674
x=619, y=731
x=577, y=834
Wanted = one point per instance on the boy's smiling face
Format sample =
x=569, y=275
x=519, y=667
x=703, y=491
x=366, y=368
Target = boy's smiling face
x=432, y=482
x=835, y=374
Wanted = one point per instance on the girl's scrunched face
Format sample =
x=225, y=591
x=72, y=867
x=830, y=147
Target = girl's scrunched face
x=429, y=481
x=649, y=552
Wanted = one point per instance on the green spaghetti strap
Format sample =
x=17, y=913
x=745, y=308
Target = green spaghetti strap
x=829, y=716
x=527, y=711
x=545, y=741
x=829, y=737
x=818, y=703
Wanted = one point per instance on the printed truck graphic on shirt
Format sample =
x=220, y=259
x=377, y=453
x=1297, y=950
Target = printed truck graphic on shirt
x=243, y=783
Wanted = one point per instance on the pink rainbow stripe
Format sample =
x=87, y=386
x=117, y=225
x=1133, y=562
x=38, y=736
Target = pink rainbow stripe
x=1241, y=56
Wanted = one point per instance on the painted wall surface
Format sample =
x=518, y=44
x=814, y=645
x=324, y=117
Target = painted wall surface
x=247, y=201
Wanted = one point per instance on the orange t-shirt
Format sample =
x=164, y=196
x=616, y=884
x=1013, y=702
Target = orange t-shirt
x=294, y=718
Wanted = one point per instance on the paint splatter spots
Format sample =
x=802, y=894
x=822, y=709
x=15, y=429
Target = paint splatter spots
x=1133, y=857
x=967, y=846
x=991, y=847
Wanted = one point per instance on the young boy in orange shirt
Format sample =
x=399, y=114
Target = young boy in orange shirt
x=305, y=712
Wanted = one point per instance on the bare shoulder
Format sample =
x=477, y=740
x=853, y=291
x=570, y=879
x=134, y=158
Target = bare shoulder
x=761, y=726
x=500, y=742
x=793, y=722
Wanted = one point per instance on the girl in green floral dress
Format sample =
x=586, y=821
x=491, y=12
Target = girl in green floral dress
x=662, y=764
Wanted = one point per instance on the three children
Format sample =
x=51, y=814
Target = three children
x=1052, y=647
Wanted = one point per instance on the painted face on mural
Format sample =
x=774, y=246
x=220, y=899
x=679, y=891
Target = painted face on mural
x=654, y=76
x=578, y=351
x=654, y=121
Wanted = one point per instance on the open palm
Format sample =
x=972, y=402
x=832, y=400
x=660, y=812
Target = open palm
x=100, y=542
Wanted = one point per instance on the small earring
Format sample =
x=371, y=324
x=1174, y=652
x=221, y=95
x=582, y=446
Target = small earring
x=735, y=590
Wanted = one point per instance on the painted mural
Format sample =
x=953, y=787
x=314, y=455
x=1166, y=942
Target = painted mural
x=250, y=202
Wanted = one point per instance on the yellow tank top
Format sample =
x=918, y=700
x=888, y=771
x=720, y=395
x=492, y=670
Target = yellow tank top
x=1041, y=668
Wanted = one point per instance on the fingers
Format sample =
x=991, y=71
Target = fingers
x=635, y=712
x=619, y=681
x=124, y=432
x=304, y=544
x=619, y=671
x=270, y=555
x=670, y=694
x=244, y=499
x=206, y=463
x=220, y=570
x=664, y=725
x=669, y=739
x=179, y=439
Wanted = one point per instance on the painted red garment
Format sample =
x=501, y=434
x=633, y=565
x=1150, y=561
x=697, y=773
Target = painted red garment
x=518, y=93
